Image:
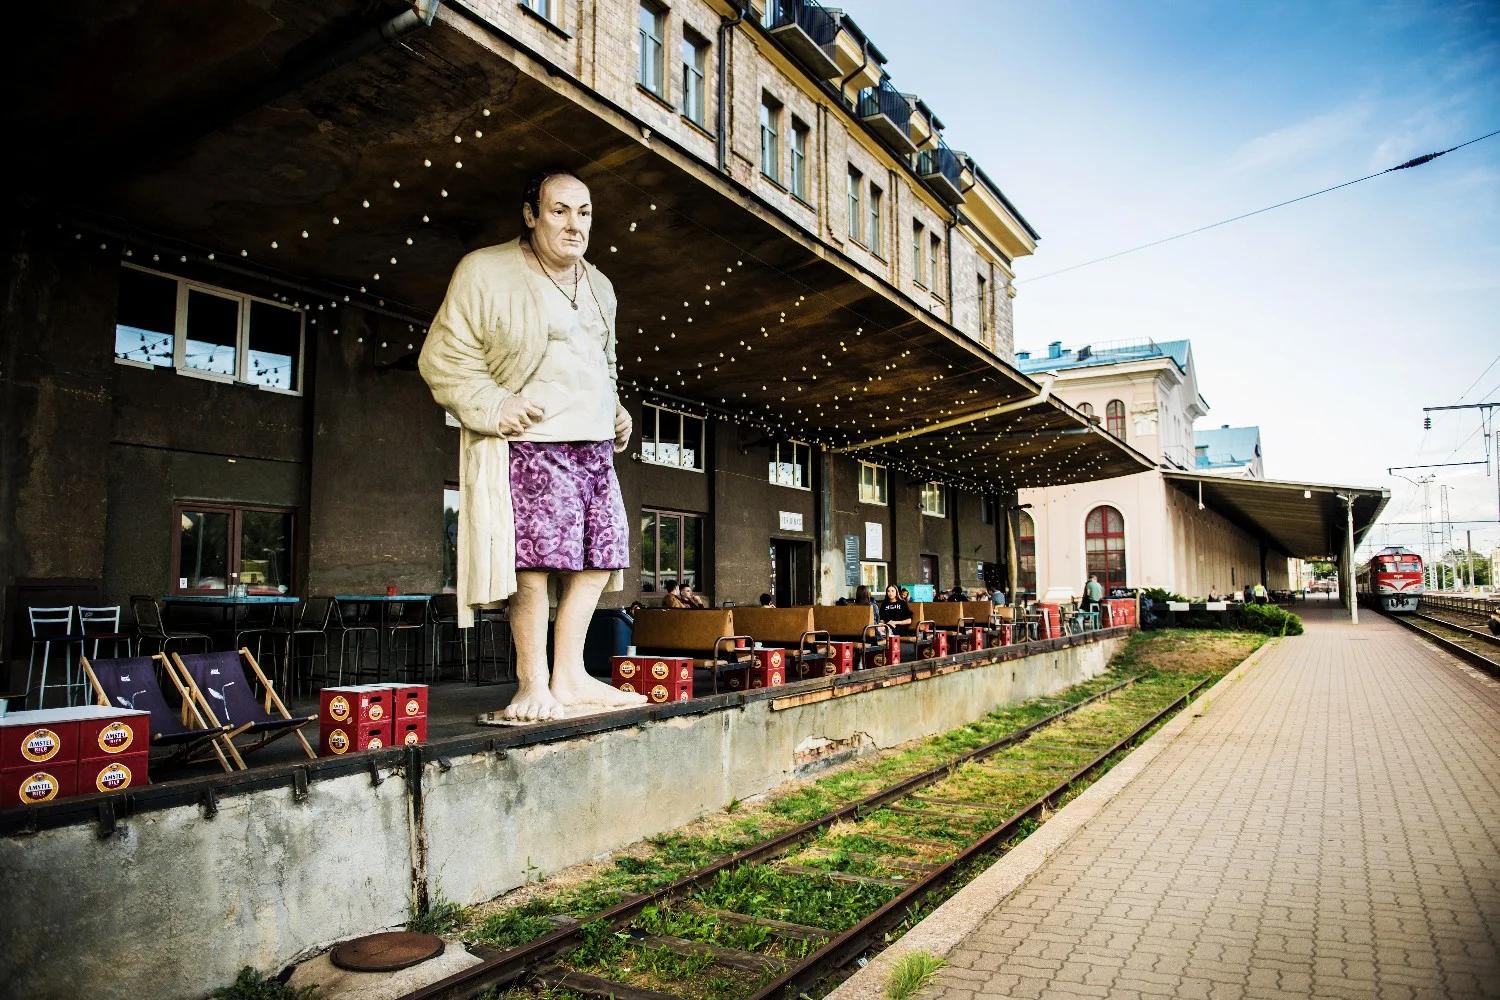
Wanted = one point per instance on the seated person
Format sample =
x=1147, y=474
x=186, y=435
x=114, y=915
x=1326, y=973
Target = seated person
x=691, y=599
x=674, y=596
x=894, y=611
x=957, y=594
x=766, y=601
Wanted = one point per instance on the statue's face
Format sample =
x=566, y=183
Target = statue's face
x=561, y=230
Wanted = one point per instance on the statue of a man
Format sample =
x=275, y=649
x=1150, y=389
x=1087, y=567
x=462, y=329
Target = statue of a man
x=522, y=353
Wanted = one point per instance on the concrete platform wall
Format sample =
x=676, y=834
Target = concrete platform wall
x=173, y=903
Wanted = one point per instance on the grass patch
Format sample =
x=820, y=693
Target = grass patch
x=911, y=972
x=442, y=917
x=252, y=985
x=761, y=891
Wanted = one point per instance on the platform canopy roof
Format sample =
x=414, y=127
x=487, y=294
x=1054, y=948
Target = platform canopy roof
x=241, y=131
x=1306, y=520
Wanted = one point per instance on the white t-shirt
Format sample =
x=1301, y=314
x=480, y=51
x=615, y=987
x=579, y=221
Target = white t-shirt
x=572, y=384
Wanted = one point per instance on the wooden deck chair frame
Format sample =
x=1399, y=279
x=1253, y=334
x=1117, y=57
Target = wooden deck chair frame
x=188, y=715
x=272, y=700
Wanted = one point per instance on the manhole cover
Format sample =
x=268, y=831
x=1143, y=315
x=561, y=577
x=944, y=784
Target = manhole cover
x=386, y=952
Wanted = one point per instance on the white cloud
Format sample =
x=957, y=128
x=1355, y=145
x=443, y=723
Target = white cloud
x=1305, y=139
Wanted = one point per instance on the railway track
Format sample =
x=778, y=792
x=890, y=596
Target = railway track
x=1475, y=646
x=828, y=891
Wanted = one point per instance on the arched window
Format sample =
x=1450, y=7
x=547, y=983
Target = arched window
x=1025, y=554
x=1104, y=546
x=1114, y=418
x=1087, y=409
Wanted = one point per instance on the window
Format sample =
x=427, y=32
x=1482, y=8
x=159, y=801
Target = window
x=694, y=58
x=877, y=200
x=770, y=137
x=871, y=483
x=989, y=510
x=918, y=259
x=1025, y=554
x=935, y=261
x=791, y=465
x=450, y=538
x=671, y=438
x=209, y=332
x=799, y=159
x=1087, y=409
x=984, y=304
x=671, y=549
x=219, y=544
x=653, y=27
x=934, y=500
x=1104, y=546
x=1114, y=418
x=856, y=181
x=539, y=7
x=874, y=576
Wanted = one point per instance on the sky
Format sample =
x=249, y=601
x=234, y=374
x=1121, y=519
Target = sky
x=1330, y=323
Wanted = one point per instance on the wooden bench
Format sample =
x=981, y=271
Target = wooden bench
x=706, y=637
x=790, y=629
x=854, y=623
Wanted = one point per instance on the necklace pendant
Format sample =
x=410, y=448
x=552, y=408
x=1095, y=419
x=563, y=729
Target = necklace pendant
x=575, y=306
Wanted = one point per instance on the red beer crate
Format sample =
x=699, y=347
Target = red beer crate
x=660, y=678
x=20, y=786
x=932, y=644
x=120, y=733
x=408, y=701
x=978, y=637
x=347, y=707
x=114, y=774
x=890, y=653
x=41, y=739
x=768, y=670
x=334, y=739
x=1051, y=626
x=410, y=732
x=840, y=657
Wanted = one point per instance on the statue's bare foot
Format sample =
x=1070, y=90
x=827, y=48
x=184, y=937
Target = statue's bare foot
x=533, y=706
x=592, y=693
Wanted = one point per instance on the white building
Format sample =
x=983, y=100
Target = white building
x=1151, y=529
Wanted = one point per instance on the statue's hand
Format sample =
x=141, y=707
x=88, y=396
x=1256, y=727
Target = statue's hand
x=623, y=428
x=517, y=414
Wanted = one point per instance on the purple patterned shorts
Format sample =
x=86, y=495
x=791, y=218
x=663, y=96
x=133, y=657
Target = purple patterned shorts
x=569, y=512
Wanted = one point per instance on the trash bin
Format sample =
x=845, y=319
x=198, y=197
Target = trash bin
x=609, y=635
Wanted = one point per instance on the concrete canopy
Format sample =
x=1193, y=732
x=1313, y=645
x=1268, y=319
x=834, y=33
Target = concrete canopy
x=1306, y=520
x=247, y=133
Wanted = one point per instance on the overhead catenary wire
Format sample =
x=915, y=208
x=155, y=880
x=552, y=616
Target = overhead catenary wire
x=1416, y=161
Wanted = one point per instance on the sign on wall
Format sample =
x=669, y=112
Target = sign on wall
x=851, y=560
x=874, y=540
x=790, y=520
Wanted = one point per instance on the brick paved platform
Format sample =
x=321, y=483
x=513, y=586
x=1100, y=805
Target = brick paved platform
x=1329, y=826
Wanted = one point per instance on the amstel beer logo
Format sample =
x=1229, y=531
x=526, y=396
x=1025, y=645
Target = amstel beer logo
x=338, y=708
x=113, y=777
x=627, y=669
x=40, y=745
x=411, y=738
x=684, y=672
x=40, y=787
x=413, y=706
x=659, y=693
x=776, y=658
x=377, y=711
x=376, y=743
x=660, y=670
x=627, y=686
x=338, y=741
x=116, y=738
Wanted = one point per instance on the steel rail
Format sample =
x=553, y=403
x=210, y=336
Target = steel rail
x=509, y=966
x=1480, y=634
x=1464, y=653
x=852, y=943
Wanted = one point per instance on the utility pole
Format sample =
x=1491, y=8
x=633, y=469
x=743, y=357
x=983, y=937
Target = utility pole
x=1491, y=438
x=1469, y=555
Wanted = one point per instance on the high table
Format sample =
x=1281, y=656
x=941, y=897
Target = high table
x=234, y=607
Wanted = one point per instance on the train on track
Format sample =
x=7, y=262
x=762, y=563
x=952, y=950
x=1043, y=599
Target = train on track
x=1391, y=580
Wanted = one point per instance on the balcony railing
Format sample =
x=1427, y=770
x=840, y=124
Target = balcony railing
x=805, y=28
x=888, y=113
x=940, y=168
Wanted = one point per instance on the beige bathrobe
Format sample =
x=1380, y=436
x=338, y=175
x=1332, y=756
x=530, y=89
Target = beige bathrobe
x=483, y=347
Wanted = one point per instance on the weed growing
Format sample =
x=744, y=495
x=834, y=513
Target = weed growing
x=911, y=972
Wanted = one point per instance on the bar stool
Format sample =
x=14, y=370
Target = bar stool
x=442, y=613
x=102, y=624
x=398, y=619
x=353, y=623
x=311, y=625
x=49, y=627
x=149, y=625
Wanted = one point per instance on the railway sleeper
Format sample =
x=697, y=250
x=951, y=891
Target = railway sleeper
x=781, y=928
x=849, y=877
x=557, y=978
x=881, y=860
x=732, y=958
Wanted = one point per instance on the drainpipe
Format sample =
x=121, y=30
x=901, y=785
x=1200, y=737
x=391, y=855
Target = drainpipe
x=864, y=61
x=726, y=25
x=951, y=312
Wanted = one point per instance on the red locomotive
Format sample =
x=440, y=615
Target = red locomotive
x=1391, y=580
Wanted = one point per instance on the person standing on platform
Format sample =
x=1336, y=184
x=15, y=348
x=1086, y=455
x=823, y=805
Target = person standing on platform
x=522, y=354
x=1260, y=593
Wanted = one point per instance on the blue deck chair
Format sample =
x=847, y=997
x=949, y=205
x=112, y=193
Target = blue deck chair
x=131, y=682
x=219, y=686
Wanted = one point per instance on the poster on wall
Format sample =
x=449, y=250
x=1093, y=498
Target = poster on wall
x=851, y=560
x=874, y=540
